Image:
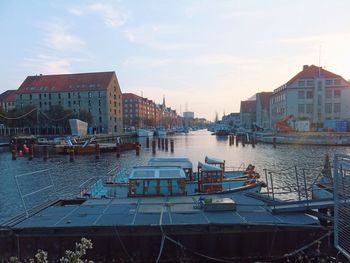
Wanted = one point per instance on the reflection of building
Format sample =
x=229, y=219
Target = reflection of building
x=188, y=114
x=98, y=93
x=8, y=100
x=314, y=94
x=248, y=113
x=263, y=109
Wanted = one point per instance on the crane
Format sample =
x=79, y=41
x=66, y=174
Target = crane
x=282, y=125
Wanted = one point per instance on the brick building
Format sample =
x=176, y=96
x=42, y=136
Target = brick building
x=8, y=100
x=98, y=93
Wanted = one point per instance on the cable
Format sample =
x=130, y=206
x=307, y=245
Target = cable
x=122, y=244
x=17, y=118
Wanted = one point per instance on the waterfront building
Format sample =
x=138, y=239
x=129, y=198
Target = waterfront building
x=263, y=109
x=98, y=93
x=232, y=120
x=8, y=100
x=248, y=113
x=314, y=94
x=142, y=112
x=188, y=114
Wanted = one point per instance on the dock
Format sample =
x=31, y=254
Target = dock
x=147, y=228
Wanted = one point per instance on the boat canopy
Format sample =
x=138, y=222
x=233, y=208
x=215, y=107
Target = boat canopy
x=211, y=160
x=184, y=163
x=154, y=172
x=209, y=168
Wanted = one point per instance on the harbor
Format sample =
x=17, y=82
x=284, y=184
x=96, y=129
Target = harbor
x=63, y=218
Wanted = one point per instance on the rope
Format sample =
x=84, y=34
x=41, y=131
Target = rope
x=59, y=119
x=122, y=244
x=17, y=118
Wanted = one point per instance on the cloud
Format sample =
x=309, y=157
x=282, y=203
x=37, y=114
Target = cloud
x=149, y=62
x=156, y=36
x=44, y=64
x=61, y=40
x=110, y=15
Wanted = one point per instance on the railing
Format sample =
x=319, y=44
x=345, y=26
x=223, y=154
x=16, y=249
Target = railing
x=24, y=196
x=341, y=191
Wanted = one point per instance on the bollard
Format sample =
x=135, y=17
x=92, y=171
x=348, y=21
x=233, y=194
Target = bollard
x=147, y=142
x=236, y=139
x=166, y=144
x=153, y=146
x=172, y=146
x=31, y=152
x=45, y=153
x=158, y=143
x=71, y=154
x=97, y=151
x=14, y=152
x=138, y=146
x=118, y=150
x=162, y=143
x=274, y=142
x=253, y=142
x=243, y=142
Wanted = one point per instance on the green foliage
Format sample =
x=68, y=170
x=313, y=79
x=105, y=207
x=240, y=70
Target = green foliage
x=85, y=116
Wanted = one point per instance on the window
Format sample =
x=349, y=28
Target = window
x=309, y=94
x=89, y=94
x=301, y=108
x=100, y=119
x=328, y=94
x=50, y=96
x=319, y=100
x=44, y=95
x=40, y=104
x=336, y=107
x=309, y=108
x=59, y=95
x=39, y=96
x=328, y=107
x=99, y=102
x=68, y=95
x=30, y=96
x=310, y=83
x=99, y=94
x=337, y=82
x=329, y=82
x=301, y=83
x=319, y=85
x=301, y=94
x=337, y=93
x=69, y=104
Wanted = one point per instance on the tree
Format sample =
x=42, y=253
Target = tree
x=86, y=116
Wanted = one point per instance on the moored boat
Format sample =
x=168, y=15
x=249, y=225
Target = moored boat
x=144, y=132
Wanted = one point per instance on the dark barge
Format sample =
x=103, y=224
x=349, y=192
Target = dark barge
x=171, y=229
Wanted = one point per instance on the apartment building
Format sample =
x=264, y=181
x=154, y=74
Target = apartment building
x=313, y=94
x=98, y=93
x=8, y=100
x=248, y=113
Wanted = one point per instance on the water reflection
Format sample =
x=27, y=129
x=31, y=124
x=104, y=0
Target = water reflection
x=68, y=176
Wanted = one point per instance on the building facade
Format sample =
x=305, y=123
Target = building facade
x=98, y=93
x=8, y=100
x=232, y=120
x=248, y=113
x=263, y=109
x=314, y=94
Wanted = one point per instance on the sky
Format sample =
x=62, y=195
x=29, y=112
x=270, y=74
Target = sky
x=202, y=55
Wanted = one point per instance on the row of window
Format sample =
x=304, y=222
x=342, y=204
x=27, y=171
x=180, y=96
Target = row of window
x=309, y=108
x=309, y=94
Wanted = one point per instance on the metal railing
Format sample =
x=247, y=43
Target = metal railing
x=341, y=192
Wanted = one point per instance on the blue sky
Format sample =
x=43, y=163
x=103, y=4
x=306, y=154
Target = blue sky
x=208, y=54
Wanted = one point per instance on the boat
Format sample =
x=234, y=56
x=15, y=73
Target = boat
x=211, y=178
x=161, y=132
x=142, y=132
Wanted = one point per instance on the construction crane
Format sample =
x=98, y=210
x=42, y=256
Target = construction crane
x=282, y=125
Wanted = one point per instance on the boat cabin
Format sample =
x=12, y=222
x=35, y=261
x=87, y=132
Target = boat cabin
x=216, y=162
x=157, y=181
x=184, y=163
x=210, y=178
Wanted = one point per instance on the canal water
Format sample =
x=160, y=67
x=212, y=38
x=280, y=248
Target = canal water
x=27, y=183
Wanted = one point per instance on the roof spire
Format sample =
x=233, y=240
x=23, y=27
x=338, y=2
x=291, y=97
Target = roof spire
x=163, y=101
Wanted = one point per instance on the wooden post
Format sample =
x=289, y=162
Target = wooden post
x=236, y=139
x=118, y=150
x=138, y=146
x=14, y=151
x=172, y=146
x=162, y=143
x=71, y=154
x=274, y=142
x=158, y=143
x=166, y=144
x=147, y=142
x=253, y=142
x=45, y=153
x=97, y=151
x=153, y=146
x=243, y=141
x=31, y=152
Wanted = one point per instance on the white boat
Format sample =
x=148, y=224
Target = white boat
x=144, y=132
x=161, y=132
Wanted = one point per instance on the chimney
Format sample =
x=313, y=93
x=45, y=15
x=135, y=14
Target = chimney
x=305, y=67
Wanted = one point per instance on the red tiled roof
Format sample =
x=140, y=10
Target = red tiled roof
x=8, y=96
x=265, y=99
x=66, y=82
x=131, y=96
x=248, y=106
x=310, y=72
